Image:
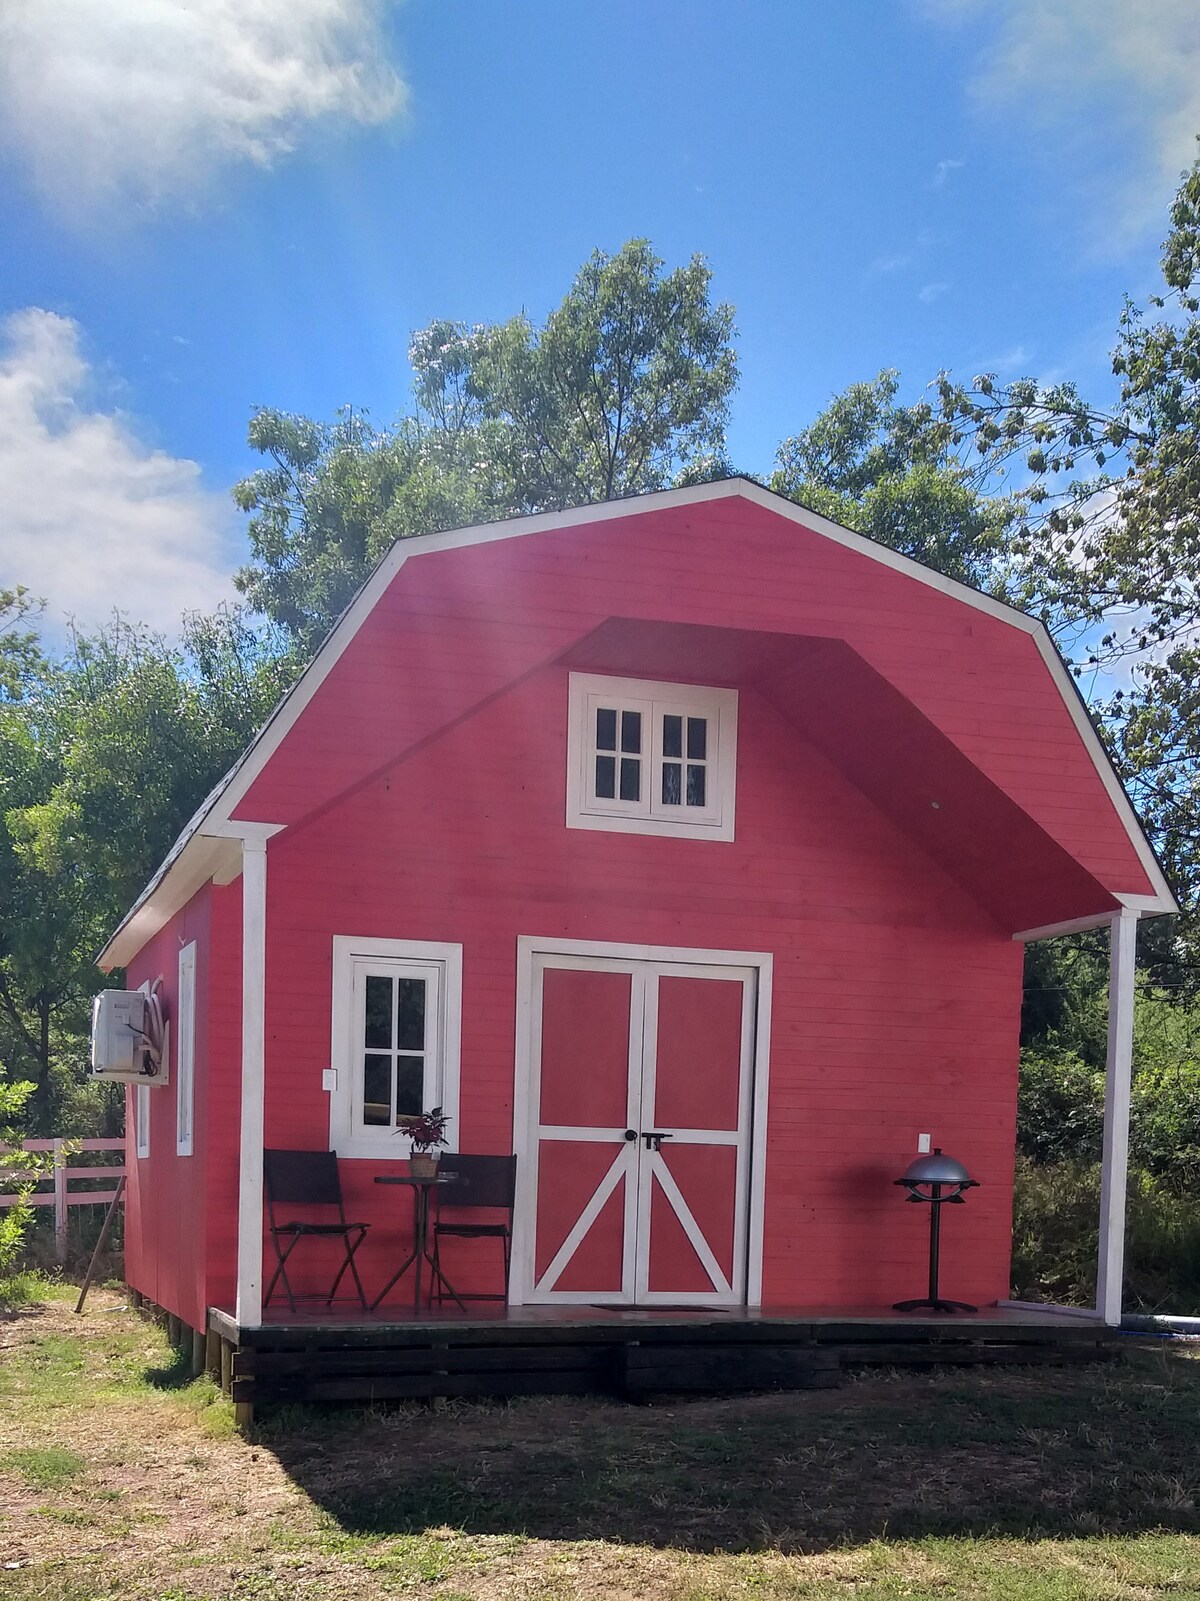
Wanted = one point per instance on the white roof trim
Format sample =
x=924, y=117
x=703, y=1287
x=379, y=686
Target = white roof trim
x=216, y=812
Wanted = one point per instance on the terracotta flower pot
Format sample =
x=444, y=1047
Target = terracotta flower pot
x=423, y=1165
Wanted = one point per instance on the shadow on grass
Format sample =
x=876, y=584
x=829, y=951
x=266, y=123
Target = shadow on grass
x=1005, y=1452
x=175, y=1375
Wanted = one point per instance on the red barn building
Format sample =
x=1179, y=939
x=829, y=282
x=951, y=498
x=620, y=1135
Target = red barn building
x=692, y=815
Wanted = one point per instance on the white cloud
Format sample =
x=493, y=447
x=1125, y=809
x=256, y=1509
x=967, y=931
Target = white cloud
x=150, y=100
x=928, y=293
x=91, y=518
x=943, y=170
x=1116, y=79
x=885, y=264
x=1016, y=358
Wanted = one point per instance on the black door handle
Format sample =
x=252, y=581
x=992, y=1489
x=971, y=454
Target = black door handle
x=631, y=1134
x=654, y=1140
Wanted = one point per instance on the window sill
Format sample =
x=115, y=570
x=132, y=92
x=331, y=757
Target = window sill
x=615, y=823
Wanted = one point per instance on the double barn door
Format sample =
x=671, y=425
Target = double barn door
x=639, y=1132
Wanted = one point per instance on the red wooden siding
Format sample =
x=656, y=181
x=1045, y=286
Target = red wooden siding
x=896, y=997
x=180, y=1231
x=166, y=1205
x=456, y=626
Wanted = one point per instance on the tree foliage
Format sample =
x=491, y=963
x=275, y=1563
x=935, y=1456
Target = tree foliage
x=624, y=388
x=105, y=755
x=1111, y=545
x=891, y=472
x=335, y=498
x=1114, y=531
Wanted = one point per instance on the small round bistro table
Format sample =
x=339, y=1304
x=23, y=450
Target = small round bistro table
x=422, y=1189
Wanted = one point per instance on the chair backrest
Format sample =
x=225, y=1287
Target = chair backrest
x=476, y=1180
x=304, y=1178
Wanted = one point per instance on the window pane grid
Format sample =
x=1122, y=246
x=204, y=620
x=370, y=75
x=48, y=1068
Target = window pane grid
x=662, y=759
x=616, y=753
x=684, y=783
x=394, y=1047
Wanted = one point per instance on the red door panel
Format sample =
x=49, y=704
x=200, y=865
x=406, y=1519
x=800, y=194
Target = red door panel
x=674, y=1267
x=569, y=1174
x=585, y=1047
x=706, y=1179
x=597, y=1265
x=584, y=1088
x=696, y=1077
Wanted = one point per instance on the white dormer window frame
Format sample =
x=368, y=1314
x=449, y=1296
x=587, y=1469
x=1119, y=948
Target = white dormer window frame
x=649, y=757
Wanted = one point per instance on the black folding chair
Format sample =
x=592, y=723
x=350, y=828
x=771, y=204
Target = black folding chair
x=485, y=1183
x=308, y=1178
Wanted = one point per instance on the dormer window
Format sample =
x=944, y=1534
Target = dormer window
x=651, y=758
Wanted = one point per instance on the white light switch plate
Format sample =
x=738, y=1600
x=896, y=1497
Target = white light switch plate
x=329, y=1081
x=924, y=1141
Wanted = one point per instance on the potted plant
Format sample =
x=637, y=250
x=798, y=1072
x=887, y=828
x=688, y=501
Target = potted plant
x=426, y=1132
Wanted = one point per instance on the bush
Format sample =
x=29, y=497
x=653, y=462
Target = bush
x=1055, y=1237
x=19, y=1171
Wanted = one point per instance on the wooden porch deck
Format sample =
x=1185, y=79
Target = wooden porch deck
x=342, y=1354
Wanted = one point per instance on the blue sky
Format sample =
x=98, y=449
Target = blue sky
x=214, y=205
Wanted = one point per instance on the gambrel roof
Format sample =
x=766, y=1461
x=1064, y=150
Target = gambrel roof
x=863, y=708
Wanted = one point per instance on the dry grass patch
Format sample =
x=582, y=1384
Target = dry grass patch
x=117, y=1478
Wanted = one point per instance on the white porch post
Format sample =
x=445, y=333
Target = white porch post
x=1114, y=1172
x=250, y=1179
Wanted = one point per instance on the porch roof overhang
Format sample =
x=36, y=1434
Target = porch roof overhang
x=878, y=739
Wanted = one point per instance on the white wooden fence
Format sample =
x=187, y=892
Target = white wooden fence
x=61, y=1196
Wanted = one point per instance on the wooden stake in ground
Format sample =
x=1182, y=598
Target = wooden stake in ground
x=101, y=1242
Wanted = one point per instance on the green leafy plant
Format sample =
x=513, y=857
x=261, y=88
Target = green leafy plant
x=19, y=1172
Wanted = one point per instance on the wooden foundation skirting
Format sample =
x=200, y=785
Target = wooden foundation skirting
x=367, y=1362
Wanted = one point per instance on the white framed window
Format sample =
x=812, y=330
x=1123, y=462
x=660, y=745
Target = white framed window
x=651, y=758
x=395, y=1044
x=185, y=1058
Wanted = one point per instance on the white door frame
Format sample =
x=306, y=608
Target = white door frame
x=527, y=1090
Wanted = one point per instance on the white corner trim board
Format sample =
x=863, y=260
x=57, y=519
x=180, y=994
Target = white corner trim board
x=250, y=1169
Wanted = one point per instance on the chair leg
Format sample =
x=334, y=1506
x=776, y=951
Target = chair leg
x=507, y=1263
x=362, y=1294
x=349, y=1263
x=281, y=1269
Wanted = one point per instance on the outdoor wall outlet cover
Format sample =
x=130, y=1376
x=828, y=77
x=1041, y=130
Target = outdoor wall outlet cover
x=329, y=1082
x=924, y=1141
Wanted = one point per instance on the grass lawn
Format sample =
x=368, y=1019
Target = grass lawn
x=117, y=1478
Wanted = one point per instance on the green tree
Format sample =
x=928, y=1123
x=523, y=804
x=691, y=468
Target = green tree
x=105, y=755
x=335, y=498
x=1114, y=532
x=20, y=656
x=624, y=388
x=1111, y=545
x=892, y=472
